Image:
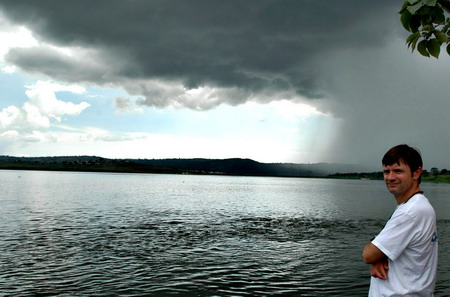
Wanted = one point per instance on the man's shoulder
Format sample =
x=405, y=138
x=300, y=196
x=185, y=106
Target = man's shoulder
x=418, y=206
x=420, y=200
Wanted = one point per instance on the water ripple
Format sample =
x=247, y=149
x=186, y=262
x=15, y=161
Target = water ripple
x=164, y=255
x=133, y=241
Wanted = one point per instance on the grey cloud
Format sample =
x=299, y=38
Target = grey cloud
x=387, y=98
x=254, y=46
x=122, y=104
x=347, y=56
x=86, y=67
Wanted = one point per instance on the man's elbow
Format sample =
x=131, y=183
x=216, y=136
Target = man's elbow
x=371, y=254
x=366, y=257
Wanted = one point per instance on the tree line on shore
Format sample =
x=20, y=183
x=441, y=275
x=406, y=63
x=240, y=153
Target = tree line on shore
x=234, y=166
x=434, y=175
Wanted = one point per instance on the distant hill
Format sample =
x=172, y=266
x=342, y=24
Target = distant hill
x=238, y=166
x=233, y=166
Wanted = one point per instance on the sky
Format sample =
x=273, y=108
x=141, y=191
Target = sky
x=296, y=81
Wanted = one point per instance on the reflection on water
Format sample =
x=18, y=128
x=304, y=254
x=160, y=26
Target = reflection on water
x=78, y=234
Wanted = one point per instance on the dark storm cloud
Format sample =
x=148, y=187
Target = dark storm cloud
x=253, y=46
x=348, y=57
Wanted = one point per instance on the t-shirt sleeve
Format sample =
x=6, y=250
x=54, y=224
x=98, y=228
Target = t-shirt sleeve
x=396, y=235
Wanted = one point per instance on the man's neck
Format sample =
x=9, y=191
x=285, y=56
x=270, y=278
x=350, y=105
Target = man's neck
x=407, y=195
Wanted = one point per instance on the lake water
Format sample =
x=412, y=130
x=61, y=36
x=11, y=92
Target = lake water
x=105, y=234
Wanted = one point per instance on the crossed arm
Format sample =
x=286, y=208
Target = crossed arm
x=378, y=260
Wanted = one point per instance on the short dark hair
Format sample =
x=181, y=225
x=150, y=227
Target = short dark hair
x=403, y=152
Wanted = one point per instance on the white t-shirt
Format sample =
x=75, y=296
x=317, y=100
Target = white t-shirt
x=409, y=240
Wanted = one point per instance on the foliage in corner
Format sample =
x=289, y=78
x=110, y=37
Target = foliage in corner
x=429, y=24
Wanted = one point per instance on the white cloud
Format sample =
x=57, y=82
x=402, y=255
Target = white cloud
x=143, y=145
x=10, y=134
x=8, y=116
x=42, y=109
x=43, y=97
x=34, y=116
x=292, y=111
x=14, y=37
x=35, y=136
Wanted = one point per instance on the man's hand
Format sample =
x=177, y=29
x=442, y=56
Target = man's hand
x=380, y=269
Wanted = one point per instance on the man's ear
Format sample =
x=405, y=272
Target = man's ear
x=417, y=173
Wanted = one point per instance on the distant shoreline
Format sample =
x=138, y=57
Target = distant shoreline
x=442, y=179
x=231, y=167
x=234, y=166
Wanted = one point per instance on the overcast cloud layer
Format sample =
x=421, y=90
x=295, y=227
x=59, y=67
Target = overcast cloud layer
x=346, y=58
x=246, y=49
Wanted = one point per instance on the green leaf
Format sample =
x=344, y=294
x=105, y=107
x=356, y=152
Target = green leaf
x=412, y=40
x=405, y=18
x=422, y=48
x=413, y=1
x=404, y=6
x=429, y=2
x=434, y=47
x=413, y=36
x=437, y=15
x=413, y=43
x=414, y=23
x=441, y=36
x=445, y=4
x=446, y=27
x=412, y=9
x=448, y=49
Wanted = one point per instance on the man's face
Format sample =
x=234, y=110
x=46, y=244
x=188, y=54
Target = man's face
x=399, y=178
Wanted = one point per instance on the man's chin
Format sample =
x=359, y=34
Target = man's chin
x=392, y=188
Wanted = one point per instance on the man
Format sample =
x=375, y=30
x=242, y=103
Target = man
x=403, y=256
